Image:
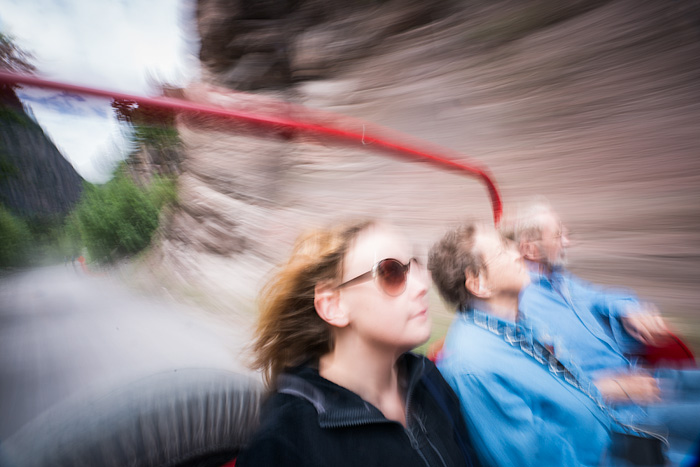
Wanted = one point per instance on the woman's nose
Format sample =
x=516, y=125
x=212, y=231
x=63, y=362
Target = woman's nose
x=419, y=278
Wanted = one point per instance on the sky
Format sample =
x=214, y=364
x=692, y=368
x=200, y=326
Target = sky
x=122, y=45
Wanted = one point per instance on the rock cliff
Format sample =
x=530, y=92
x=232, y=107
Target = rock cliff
x=592, y=104
x=35, y=179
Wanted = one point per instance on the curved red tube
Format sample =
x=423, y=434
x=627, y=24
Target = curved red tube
x=188, y=107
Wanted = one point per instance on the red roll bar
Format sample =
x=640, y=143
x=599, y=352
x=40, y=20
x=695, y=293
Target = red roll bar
x=188, y=107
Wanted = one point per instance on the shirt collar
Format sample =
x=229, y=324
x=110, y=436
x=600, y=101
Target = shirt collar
x=337, y=406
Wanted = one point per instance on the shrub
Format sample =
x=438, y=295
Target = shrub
x=15, y=239
x=162, y=191
x=116, y=219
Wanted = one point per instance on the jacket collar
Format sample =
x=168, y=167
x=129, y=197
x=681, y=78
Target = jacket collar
x=337, y=406
x=540, y=276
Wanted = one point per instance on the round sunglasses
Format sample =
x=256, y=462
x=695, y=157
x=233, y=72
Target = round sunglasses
x=391, y=275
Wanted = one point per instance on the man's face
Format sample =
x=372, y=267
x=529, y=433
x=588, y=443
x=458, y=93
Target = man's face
x=553, y=242
x=504, y=269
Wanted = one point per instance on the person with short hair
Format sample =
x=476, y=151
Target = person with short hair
x=336, y=325
x=543, y=241
x=594, y=328
x=521, y=407
x=599, y=331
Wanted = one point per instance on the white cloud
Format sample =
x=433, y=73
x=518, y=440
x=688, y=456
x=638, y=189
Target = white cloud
x=84, y=129
x=123, y=46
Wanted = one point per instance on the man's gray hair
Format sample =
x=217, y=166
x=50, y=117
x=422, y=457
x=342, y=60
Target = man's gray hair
x=527, y=224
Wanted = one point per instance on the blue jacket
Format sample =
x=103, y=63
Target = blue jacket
x=582, y=322
x=519, y=413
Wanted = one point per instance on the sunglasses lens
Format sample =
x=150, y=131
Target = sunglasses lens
x=392, y=276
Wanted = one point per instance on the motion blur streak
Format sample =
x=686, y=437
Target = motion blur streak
x=196, y=109
x=593, y=104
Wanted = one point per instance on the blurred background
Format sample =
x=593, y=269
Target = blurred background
x=591, y=104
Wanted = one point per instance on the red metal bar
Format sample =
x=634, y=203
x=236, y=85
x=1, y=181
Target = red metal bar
x=188, y=107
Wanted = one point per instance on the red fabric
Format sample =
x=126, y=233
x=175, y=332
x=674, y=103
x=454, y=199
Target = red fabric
x=673, y=352
x=231, y=463
x=435, y=350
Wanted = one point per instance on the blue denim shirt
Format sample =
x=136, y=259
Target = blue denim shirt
x=582, y=322
x=519, y=412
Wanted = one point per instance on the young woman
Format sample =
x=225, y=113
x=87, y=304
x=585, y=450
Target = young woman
x=336, y=324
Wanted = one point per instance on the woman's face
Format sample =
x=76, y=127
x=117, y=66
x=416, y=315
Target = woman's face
x=398, y=322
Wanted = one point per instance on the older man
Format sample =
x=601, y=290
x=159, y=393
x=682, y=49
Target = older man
x=543, y=241
x=524, y=407
x=590, y=327
x=595, y=330
x=525, y=404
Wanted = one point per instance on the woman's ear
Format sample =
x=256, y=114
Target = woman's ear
x=476, y=285
x=328, y=306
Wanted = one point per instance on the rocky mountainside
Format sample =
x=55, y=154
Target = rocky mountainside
x=35, y=179
x=593, y=104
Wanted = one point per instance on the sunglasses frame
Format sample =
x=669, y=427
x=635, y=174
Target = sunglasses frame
x=373, y=274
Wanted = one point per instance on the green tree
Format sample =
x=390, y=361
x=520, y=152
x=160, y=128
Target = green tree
x=15, y=239
x=162, y=191
x=69, y=240
x=116, y=219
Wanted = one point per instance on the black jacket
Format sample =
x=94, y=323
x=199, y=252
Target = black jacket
x=311, y=421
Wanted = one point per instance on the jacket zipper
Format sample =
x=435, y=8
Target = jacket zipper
x=409, y=416
x=425, y=432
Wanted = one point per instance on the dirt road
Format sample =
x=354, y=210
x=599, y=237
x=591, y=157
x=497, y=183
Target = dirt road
x=65, y=333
